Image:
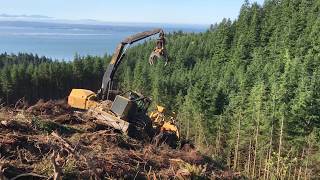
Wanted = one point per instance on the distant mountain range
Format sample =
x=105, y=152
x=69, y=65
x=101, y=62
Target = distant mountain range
x=24, y=16
x=47, y=19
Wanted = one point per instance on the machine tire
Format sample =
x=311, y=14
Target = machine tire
x=167, y=137
x=141, y=128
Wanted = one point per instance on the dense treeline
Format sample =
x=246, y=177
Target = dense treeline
x=31, y=77
x=247, y=91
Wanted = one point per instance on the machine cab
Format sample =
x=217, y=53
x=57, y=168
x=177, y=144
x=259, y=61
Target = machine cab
x=130, y=104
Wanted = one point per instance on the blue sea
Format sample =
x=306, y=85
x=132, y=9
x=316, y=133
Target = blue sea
x=63, y=41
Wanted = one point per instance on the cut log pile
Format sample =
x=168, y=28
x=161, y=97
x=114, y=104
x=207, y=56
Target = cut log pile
x=51, y=141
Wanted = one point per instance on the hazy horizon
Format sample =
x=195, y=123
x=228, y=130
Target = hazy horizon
x=43, y=18
x=143, y=11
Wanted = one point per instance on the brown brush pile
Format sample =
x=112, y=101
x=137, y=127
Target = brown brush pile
x=51, y=141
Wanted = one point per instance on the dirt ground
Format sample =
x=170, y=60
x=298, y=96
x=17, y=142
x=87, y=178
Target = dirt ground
x=52, y=141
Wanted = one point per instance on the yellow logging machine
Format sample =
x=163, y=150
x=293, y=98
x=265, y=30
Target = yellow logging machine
x=128, y=112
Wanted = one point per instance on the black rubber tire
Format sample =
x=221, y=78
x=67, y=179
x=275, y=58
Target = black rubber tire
x=141, y=128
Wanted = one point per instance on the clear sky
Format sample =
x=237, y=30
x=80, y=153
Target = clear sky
x=163, y=11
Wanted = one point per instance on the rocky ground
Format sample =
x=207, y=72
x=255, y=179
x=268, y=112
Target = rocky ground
x=51, y=141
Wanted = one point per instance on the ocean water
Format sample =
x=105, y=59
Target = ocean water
x=63, y=41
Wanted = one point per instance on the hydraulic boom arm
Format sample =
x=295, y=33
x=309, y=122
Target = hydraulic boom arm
x=119, y=54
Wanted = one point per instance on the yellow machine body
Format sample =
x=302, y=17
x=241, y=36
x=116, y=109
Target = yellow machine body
x=82, y=99
x=164, y=121
x=168, y=126
x=161, y=109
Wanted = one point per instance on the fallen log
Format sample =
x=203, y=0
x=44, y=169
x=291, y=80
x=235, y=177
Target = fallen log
x=104, y=118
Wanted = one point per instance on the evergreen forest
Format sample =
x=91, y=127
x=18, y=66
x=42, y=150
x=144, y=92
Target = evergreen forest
x=246, y=91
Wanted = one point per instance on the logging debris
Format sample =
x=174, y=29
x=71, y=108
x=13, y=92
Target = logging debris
x=51, y=141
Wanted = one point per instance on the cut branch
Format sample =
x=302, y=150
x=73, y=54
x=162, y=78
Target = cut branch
x=57, y=168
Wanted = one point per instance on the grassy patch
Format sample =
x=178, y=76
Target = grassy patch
x=43, y=167
x=49, y=126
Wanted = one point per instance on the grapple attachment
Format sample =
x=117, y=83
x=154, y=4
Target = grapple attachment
x=159, y=51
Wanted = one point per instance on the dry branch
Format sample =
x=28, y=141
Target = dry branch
x=2, y=176
x=89, y=162
x=65, y=143
x=57, y=168
x=29, y=174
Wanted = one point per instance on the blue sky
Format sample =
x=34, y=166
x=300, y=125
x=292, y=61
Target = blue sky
x=165, y=11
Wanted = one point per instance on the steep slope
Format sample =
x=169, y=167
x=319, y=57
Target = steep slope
x=49, y=139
